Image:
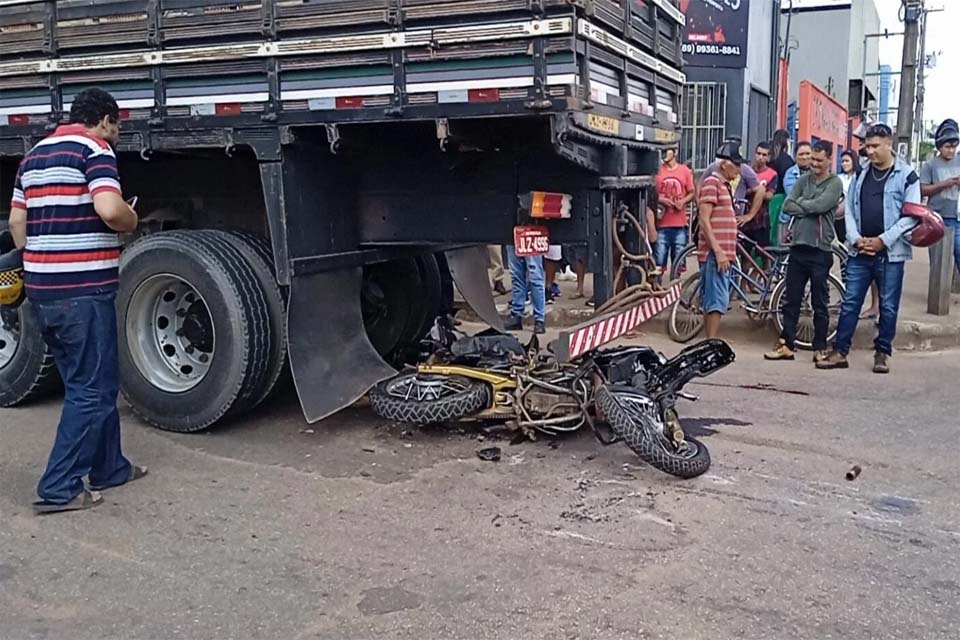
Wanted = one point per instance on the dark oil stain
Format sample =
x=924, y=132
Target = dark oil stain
x=381, y=600
x=895, y=504
x=703, y=427
x=760, y=386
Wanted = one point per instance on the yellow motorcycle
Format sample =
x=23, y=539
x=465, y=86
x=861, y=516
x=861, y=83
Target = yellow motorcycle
x=624, y=394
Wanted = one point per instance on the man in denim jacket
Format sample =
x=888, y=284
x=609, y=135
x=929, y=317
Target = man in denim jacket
x=877, y=240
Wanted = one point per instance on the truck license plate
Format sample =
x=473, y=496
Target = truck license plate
x=603, y=124
x=531, y=240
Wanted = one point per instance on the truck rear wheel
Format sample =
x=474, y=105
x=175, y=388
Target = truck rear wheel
x=258, y=256
x=195, y=336
x=390, y=301
x=27, y=370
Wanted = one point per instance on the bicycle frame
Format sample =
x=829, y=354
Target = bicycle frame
x=765, y=287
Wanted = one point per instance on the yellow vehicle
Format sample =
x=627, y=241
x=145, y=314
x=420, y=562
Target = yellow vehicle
x=623, y=393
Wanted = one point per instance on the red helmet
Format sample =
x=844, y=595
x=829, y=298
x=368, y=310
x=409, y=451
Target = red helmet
x=929, y=229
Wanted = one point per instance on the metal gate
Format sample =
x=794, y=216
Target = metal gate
x=703, y=123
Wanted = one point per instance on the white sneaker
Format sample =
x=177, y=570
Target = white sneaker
x=567, y=275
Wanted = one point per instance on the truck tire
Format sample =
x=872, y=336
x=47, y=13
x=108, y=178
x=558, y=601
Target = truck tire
x=456, y=398
x=27, y=370
x=390, y=298
x=182, y=367
x=260, y=259
x=255, y=304
x=432, y=294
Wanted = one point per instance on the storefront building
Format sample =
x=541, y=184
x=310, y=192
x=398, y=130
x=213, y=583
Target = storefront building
x=730, y=58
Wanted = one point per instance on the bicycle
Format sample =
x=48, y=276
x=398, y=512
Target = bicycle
x=686, y=317
x=680, y=264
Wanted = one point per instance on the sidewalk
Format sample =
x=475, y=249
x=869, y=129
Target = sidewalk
x=917, y=330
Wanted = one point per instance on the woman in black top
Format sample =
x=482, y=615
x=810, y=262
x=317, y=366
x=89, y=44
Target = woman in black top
x=780, y=158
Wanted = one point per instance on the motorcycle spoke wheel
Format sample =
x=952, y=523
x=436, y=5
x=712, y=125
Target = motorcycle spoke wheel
x=417, y=398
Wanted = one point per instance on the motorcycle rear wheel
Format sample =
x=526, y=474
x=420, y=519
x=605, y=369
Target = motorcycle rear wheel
x=422, y=399
x=631, y=415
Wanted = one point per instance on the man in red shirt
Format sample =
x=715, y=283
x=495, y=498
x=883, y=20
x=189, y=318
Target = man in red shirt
x=676, y=191
x=757, y=226
x=718, y=236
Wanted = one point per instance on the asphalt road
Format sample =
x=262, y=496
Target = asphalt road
x=356, y=528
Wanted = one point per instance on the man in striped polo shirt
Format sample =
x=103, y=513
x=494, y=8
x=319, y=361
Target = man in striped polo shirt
x=718, y=236
x=67, y=209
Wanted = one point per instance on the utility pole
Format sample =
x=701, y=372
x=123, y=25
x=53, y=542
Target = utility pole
x=912, y=13
x=921, y=74
x=924, y=65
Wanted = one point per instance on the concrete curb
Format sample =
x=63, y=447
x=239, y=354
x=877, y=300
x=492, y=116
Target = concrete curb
x=912, y=335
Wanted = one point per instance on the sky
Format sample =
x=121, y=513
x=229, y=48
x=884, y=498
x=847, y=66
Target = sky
x=942, y=88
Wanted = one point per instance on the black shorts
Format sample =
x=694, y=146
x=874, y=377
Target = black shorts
x=760, y=235
x=572, y=254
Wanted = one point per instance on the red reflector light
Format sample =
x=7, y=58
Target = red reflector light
x=19, y=121
x=124, y=114
x=349, y=103
x=550, y=205
x=227, y=109
x=484, y=95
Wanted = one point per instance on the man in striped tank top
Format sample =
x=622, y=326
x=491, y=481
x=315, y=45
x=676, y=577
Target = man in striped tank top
x=66, y=212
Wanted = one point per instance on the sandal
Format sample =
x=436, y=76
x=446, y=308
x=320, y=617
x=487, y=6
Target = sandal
x=577, y=296
x=135, y=474
x=85, y=500
x=591, y=303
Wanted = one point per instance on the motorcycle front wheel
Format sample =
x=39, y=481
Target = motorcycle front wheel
x=422, y=399
x=634, y=417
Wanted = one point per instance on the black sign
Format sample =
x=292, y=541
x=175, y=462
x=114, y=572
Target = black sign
x=716, y=32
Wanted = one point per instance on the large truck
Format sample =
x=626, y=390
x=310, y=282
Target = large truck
x=315, y=176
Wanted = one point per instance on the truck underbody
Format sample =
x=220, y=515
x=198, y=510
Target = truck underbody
x=305, y=169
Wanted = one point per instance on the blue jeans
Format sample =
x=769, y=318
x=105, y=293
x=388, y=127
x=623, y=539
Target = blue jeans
x=862, y=271
x=952, y=222
x=82, y=335
x=670, y=242
x=527, y=274
x=715, y=286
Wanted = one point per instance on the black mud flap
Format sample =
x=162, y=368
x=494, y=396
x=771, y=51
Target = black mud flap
x=332, y=360
x=468, y=267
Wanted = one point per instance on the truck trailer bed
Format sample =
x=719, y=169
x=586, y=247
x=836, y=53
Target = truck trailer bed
x=195, y=64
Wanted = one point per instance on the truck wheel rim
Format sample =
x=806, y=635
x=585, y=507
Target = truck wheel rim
x=9, y=335
x=170, y=333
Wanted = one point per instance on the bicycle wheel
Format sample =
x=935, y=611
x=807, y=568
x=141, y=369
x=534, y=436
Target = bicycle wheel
x=805, y=330
x=686, y=317
x=840, y=263
x=685, y=263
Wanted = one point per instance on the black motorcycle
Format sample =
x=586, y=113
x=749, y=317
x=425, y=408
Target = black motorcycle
x=624, y=394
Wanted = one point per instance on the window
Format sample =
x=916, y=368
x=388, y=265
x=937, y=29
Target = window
x=704, y=109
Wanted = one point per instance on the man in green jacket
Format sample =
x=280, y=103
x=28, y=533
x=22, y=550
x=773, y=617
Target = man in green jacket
x=810, y=204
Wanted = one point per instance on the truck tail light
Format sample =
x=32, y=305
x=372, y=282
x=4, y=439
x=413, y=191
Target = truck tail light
x=227, y=108
x=484, y=95
x=349, y=102
x=549, y=205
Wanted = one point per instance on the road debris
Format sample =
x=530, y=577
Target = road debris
x=490, y=454
x=854, y=472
